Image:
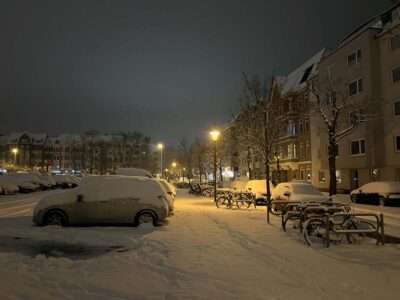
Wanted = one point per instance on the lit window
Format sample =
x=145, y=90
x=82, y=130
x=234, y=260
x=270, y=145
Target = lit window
x=357, y=147
x=355, y=87
x=354, y=58
x=321, y=176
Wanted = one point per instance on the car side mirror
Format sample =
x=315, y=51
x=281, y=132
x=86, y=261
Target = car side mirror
x=79, y=198
x=249, y=189
x=287, y=194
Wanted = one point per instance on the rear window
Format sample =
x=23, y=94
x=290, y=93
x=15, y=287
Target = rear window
x=305, y=189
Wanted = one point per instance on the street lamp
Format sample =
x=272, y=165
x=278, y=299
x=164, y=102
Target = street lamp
x=214, y=136
x=173, y=170
x=15, y=151
x=161, y=146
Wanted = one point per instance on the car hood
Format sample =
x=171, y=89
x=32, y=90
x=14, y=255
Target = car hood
x=56, y=199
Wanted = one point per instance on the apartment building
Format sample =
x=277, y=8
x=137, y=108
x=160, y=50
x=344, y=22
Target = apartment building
x=293, y=149
x=365, y=66
x=25, y=149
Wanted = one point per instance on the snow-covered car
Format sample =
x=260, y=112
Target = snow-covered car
x=170, y=188
x=62, y=181
x=134, y=172
x=32, y=179
x=75, y=181
x=106, y=200
x=8, y=185
x=298, y=191
x=382, y=192
x=48, y=180
x=258, y=188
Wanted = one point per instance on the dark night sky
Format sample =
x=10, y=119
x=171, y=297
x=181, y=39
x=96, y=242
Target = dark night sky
x=166, y=68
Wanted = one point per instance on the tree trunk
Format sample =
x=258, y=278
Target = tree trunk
x=267, y=177
x=332, y=169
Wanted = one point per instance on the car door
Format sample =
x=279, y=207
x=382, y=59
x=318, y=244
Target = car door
x=123, y=209
x=92, y=208
x=125, y=202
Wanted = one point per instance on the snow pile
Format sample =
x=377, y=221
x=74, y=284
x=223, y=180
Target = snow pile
x=203, y=253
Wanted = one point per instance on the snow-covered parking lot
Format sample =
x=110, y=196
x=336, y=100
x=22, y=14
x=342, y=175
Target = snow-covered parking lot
x=203, y=253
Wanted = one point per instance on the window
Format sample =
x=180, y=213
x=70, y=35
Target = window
x=397, y=143
x=301, y=174
x=306, y=74
x=330, y=97
x=321, y=176
x=396, y=75
x=329, y=72
x=301, y=124
x=356, y=87
x=396, y=109
x=301, y=150
x=354, y=117
x=307, y=149
x=357, y=147
x=319, y=153
x=338, y=176
x=394, y=43
x=307, y=124
x=354, y=58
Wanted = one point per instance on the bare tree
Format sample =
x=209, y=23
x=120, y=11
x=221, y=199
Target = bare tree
x=260, y=120
x=340, y=114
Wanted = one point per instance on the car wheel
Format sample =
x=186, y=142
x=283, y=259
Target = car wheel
x=382, y=201
x=145, y=217
x=55, y=217
x=353, y=198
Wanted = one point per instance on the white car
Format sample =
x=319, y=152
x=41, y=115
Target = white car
x=8, y=185
x=62, y=181
x=377, y=191
x=32, y=178
x=106, y=200
x=298, y=191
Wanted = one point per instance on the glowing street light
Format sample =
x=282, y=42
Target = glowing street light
x=214, y=136
x=161, y=146
x=174, y=164
x=15, y=151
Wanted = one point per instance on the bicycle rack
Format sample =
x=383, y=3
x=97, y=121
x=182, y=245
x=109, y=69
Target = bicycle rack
x=379, y=230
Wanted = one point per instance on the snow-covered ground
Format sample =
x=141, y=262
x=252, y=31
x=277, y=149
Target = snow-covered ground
x=203, y=253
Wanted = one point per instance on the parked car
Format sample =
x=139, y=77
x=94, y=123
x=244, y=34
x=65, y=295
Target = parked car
x=258, y=188
x=32, y=180
x=381, y=192
x=134, y=172
x=75, y=181
x=62, y=181
x=301, y=191
x=8, y=185
x=170, y=188
x=106, y=200
x=48, y=180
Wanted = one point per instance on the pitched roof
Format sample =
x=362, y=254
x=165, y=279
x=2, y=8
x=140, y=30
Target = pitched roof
x=37, y=138
x=297, y=80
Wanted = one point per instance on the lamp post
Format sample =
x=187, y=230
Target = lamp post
x=278, y=170
x=161, y=146
x=214, y=136
x=173, y=171
x=15, y=151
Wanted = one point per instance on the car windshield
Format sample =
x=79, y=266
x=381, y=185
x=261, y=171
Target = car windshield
x=306, y=189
